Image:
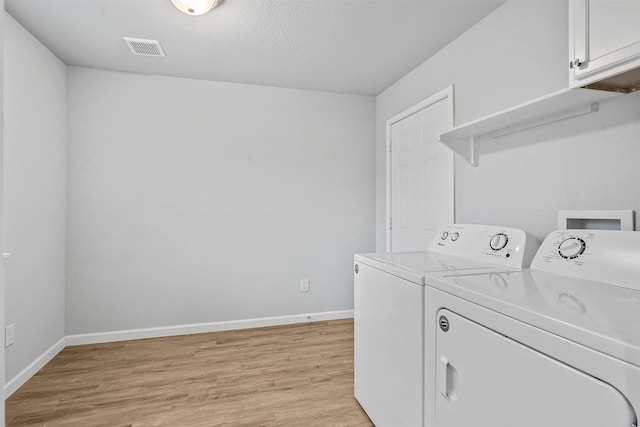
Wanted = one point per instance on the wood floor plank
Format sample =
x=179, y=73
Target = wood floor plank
x=293, y=375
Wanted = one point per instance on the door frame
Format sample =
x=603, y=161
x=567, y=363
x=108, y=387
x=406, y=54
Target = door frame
x=445, y=94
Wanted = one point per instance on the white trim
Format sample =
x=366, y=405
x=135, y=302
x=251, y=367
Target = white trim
x=448, y=94
x=198, y=328
x=16, y=382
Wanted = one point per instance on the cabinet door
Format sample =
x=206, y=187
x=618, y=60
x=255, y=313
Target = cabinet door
x=604, y=38
x=485, y=379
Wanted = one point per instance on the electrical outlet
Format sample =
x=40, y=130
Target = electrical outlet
x=9, y=334
x=305, y=285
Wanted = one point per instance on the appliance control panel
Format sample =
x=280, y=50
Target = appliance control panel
x=509, y=247
x=605, y=256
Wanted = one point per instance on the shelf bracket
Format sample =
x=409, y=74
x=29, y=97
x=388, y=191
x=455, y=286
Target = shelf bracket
x=473, y=158
x=544, y=120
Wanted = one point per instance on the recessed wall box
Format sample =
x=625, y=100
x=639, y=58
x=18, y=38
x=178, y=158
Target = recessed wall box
x=596, y=219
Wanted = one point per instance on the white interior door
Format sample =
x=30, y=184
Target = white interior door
x=421, y=178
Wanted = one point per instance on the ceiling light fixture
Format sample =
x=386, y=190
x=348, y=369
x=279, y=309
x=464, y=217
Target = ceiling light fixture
x=195, y=7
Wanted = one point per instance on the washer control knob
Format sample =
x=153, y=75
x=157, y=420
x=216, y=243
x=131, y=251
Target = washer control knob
x=454, y=236
x=572, y=248
x=444, y=235
x=498, y=241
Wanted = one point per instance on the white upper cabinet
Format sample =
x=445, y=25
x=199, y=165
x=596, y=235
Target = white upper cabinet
x=604, y=41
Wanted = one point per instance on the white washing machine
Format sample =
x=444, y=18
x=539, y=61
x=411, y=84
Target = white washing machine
x=555, y=346
x=389, y=312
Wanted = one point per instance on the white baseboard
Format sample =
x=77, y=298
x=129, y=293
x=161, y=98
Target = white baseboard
x=198, y=328
x=16, y=382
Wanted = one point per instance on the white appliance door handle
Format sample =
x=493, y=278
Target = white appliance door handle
x=443, y=374
x=447, y=379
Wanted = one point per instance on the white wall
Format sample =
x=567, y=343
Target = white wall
x=34, y=97
x=590, y=162
x=2, y=410
x=196, y=201
x=518, y=53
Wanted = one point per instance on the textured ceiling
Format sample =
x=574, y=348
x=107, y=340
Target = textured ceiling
x=344, y=46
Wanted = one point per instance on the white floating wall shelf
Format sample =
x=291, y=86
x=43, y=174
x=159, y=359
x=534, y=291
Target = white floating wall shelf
x=551, y=108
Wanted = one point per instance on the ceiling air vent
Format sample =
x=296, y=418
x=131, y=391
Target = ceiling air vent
x=144, y=47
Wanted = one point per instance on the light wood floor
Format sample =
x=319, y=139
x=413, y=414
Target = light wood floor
x=295, y=375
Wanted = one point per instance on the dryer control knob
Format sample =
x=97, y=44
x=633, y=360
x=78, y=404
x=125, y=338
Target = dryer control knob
x=455, y=236
x=572, y=248
x=498, y=241
x=444, y=235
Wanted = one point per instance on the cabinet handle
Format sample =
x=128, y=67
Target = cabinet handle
x=576, y=63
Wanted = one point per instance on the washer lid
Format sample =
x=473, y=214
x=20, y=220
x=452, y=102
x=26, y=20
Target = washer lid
x=414, y=265
x=603, y=317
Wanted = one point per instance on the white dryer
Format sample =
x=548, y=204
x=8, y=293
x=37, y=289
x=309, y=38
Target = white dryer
x=555, y=346
x=389, y=312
